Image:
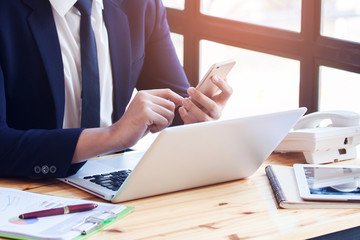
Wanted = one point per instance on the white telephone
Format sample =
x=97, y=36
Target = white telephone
x=323, y=144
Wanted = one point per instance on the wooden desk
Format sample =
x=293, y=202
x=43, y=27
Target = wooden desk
x=243, y=209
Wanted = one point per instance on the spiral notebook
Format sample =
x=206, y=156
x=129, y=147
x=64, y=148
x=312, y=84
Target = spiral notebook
x=79, y=225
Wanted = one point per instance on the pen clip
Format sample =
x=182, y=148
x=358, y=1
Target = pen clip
x=91, y=223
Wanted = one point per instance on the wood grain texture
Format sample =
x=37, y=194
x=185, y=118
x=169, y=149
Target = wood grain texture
x=243, y=209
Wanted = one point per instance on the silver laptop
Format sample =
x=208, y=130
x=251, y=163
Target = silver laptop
x=188, y=156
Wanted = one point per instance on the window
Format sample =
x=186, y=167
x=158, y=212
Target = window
x=341, y=19
x=289, y=52
x=339, y=89
x=178, y=41
x=177, y=4
x=259, y=79
x=284, y=14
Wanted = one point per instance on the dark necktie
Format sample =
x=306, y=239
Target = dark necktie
x=90, y=115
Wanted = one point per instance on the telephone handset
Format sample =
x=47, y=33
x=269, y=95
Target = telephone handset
x=324, y=143
x=338, y=119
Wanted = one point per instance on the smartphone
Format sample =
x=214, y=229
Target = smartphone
x=221, y=70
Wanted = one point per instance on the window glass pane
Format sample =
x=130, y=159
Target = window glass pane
x=177, y=4
x=284, y=14
x=339, y=90
x=261, y=82
x=178, y=41
x=341, y=19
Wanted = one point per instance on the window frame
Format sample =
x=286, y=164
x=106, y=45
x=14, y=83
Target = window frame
x=308, y=46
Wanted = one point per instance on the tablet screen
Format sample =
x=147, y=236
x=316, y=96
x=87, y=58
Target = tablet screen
x=328, y=182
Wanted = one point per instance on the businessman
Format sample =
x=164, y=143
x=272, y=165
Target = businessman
x=67, y=73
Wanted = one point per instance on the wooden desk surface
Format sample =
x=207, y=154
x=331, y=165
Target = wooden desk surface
x=243, y=209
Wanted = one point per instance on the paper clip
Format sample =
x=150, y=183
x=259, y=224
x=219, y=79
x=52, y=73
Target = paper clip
x=91, y=223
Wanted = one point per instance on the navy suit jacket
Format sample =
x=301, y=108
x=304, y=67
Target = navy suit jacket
x=32, y=98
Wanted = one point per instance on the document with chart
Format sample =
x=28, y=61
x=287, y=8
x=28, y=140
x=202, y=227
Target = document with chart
x=14, y=202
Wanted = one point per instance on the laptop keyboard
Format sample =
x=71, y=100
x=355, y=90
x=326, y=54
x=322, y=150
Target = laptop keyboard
x=112, y=180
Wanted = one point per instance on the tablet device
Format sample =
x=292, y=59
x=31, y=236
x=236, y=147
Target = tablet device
x=328, y=182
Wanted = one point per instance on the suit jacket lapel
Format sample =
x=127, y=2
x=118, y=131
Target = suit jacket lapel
x=42, y=23
x=117, y=26
x=43, y=26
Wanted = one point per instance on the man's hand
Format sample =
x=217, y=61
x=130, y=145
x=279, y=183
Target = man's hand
x=200, y=108
x=149, y=111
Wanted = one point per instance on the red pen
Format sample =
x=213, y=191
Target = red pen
x=59, y=211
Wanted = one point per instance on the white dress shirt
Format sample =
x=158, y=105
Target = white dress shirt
x=67, y=20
